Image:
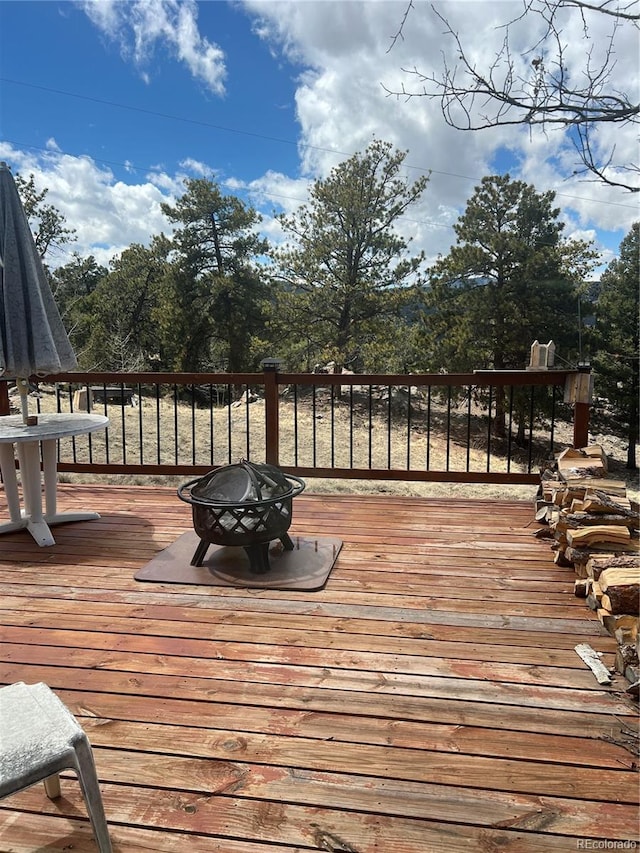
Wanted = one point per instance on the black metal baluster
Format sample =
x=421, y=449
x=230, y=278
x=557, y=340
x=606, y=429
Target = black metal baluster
x=389, y=427
x=428, y=459
x=469, y=396
x=158, y=443
x=510, y=433
x=531, y=410
x=313, y=424
x=295, y=424
x=229, y=430
x=489, y=428
x=448, y=426
x=175, y=423
x=193, y=424
x=370, y=424
x=247, y=422
x=408, y=427
x=140, y=426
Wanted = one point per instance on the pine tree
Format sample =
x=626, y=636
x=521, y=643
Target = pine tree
x=509, y=280
x=215, y=297
x=346, y=272
x=617, y=359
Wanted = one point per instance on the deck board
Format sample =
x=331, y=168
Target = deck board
x=428, y=699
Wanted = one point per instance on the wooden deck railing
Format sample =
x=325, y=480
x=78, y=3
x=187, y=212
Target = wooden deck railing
x=484, y=426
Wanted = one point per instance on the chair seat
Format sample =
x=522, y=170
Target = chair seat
x=39, y=738
x=37, y=729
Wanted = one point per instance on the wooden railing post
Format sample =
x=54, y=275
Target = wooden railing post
x=271, y=411
x=581, y=424
x=582, y=406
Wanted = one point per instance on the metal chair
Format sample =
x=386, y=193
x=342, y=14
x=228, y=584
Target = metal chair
x=39, y=737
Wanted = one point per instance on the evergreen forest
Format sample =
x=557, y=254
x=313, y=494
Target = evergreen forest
x=343, y=286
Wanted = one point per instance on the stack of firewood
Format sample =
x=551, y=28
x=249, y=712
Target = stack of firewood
x=593, y=527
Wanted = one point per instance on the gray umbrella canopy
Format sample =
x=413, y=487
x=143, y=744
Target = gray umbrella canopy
x=32, y=336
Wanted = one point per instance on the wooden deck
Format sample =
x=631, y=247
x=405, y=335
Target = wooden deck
x=428, y=699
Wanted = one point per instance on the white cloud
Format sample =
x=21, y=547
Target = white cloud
x=341, y=102
x=139, y=27
x=342, y=105
x=272, y=194
x=196, y=167
x=341, y=49
x=107, y=215
x=274, y=188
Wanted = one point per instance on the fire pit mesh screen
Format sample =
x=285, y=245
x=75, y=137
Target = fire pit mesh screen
x=242, y=526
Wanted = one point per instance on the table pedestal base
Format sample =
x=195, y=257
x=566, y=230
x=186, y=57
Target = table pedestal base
x=31, y=442
x=32, y=518
x=40, y=529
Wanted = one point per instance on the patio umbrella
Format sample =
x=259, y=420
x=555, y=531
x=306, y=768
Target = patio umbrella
x=33, y=339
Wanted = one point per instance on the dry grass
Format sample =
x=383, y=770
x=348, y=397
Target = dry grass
x=322, y=435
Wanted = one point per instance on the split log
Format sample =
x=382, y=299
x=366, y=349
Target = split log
x=574, y=556
x=560, y=559
x=619, y=576
x=594, y=595
x=588, y=468
x=560, y=539
x=597, y=534
x=577, y=557
x=564, y=496
x=543, y=533
x=626, y=655
x=612, y=488
x=632, y=674
x=595, y=451
x=621, y=626
x=598, y=564
x=589, y=519
x=588, y=461
x=581, y=587
x=601, y=501
x=558, y=524
x=622, y=599
x=580, y=495
x=634, y=688
x=621, y=589
x=580, y=570
x=622, y=506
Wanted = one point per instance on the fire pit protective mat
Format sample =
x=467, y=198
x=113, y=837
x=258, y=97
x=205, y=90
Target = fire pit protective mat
x=307, y=567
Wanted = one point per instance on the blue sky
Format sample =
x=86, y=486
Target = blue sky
x=112, y=105
x=64, y=79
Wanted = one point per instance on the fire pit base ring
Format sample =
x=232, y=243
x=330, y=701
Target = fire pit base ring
x=306, y=567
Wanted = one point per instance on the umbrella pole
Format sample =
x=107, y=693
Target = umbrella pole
x=23, y=389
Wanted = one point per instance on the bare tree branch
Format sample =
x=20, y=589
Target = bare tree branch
x=535, y=87
x=399, y=36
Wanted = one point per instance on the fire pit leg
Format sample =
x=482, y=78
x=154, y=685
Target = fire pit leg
x=287, y=542
x=201, y=550
x=258, y=555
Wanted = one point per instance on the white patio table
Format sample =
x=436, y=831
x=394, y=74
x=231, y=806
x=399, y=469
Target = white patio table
x=16, y=436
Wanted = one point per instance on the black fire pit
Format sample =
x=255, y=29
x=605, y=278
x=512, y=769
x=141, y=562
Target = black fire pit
x=246, y=505
x=249, y=506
